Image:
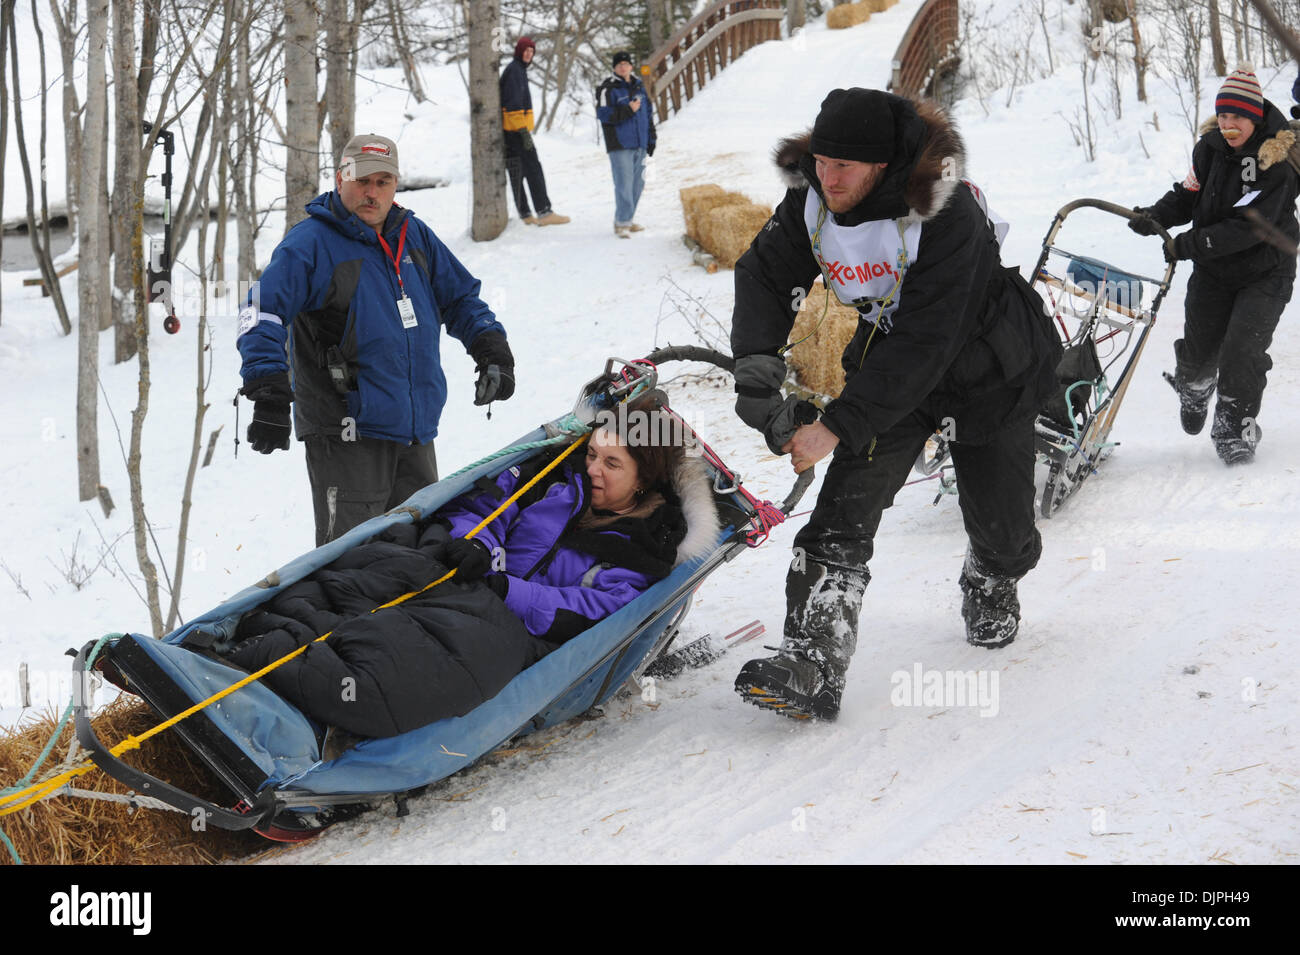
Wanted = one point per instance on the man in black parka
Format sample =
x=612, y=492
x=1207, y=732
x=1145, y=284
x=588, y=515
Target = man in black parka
x=948, y=341
x=1240, y=283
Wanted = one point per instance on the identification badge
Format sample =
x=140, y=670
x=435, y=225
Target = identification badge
x=407, y=311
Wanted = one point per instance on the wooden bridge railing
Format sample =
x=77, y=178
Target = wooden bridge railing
x=929, y=50
x=700, y=50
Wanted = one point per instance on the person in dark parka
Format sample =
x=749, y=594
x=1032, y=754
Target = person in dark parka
x=948, y=340
x=1239, y=283
x=575, y=548
x=522, y=163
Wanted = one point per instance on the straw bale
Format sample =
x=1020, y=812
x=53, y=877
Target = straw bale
x=727, y=231
x=698, y=200
x=816, y=362
x=877, y=6
x=847, y=15
x=66, y=830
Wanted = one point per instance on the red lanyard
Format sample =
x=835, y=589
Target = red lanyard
x=396, y=259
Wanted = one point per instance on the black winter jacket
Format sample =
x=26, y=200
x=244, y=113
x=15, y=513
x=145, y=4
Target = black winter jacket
x=970, y=339
x=1222, y=241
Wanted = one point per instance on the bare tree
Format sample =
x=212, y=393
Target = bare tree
x=1216, y=41
x=6, y=14
x=342, y=29
x=91, y=252
x=1139, y=52
x=796, y=16
x=302, y=127
x=67, y=31
x=127, y=201
x=486, y=146
x=39, y=233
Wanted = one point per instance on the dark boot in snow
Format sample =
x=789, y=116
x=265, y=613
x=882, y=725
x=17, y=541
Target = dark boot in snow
x=798, y=682
x=806, y=677
x=989, y=605
x=1193, y=399
x=1235, y=436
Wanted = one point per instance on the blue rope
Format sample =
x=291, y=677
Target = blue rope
x=570, y=424
x=49, y=747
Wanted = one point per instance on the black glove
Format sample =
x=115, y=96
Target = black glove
x=470, y=557
x=271, y=395
x=758, y=388
x=499, y=584
x=496, y=368
x=650, y=150
x=1181, y=246
x=792, y=415
x=1146, y=225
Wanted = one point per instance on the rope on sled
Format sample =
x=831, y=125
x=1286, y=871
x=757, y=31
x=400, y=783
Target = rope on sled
x=20, y=798
x=570, y=426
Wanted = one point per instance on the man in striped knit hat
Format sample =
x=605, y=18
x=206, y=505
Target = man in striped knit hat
x=1240, y=282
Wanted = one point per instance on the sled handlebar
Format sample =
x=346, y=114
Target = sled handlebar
x=1113, y=208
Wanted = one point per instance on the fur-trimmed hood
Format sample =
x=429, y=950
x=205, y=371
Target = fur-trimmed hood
x=695, y=490
x=929, y=160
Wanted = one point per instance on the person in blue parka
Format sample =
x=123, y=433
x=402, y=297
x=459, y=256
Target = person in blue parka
x=627, y=116
x=355, y=298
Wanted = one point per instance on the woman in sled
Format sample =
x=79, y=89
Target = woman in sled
x=585, y=541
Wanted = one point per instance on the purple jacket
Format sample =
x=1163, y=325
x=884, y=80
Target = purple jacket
x=560, y=578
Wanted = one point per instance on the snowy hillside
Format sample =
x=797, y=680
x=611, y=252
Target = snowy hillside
x=1142, y=716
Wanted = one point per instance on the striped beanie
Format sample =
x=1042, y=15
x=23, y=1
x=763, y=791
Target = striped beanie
x=1241, y=94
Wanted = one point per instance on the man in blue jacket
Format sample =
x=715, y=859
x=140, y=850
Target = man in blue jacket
x=627, y=116
x=355, y=297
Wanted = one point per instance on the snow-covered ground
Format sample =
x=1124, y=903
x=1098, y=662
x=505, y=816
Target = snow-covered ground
x=1142, y=716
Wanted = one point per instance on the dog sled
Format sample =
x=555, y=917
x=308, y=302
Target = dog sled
x=269, y=756
x=1103, y=315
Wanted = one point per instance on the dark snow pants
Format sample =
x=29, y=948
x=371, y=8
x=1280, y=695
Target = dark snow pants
x=1228, y=331
x=829, y=572
x=353, y=481
x=522, y=165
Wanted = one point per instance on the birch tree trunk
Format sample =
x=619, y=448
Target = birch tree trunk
x=90, y=252
x=342, y=25
x=1216, y=41
x=128, y=186
x=65, y=25
x=6, y=14
x=302, y=131
x=486, y=145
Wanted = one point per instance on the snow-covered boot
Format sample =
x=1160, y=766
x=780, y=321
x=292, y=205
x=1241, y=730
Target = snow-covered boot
x=1193, y=400
x=806, y=677
x=1235, y=436
x=989, y=605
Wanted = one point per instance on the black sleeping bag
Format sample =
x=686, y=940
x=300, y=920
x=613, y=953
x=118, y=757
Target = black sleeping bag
x=434, y=656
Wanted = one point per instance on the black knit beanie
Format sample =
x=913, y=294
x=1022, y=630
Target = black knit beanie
x=855, y=124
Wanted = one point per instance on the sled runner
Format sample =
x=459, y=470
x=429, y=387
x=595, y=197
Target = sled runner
x=1103, y=317
x=269, y=755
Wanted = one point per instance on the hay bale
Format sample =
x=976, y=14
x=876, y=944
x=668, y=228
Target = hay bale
x=726, y=231
x=698, y=200
x=66, y=830
x=816, y=362
x=848, y=15
x=878, y=6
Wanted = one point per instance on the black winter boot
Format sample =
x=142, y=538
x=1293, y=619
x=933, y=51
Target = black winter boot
x=1194, y=400
x=1235, y=437
x=798, y=682
x=806, y=677
x=989, y=605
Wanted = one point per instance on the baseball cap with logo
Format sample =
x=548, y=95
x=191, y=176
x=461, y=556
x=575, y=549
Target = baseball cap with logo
x=368, y=154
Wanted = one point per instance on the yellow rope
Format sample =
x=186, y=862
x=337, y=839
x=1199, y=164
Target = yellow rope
x=38, y=791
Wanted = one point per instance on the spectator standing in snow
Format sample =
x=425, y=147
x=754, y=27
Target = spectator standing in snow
x=627, y=116
x=948, y=340
x=1239, y=282
x=522, y=163
x=358, y=293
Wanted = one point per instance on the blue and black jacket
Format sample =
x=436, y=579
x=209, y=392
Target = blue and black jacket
x=624, y=127
x=327, y=303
